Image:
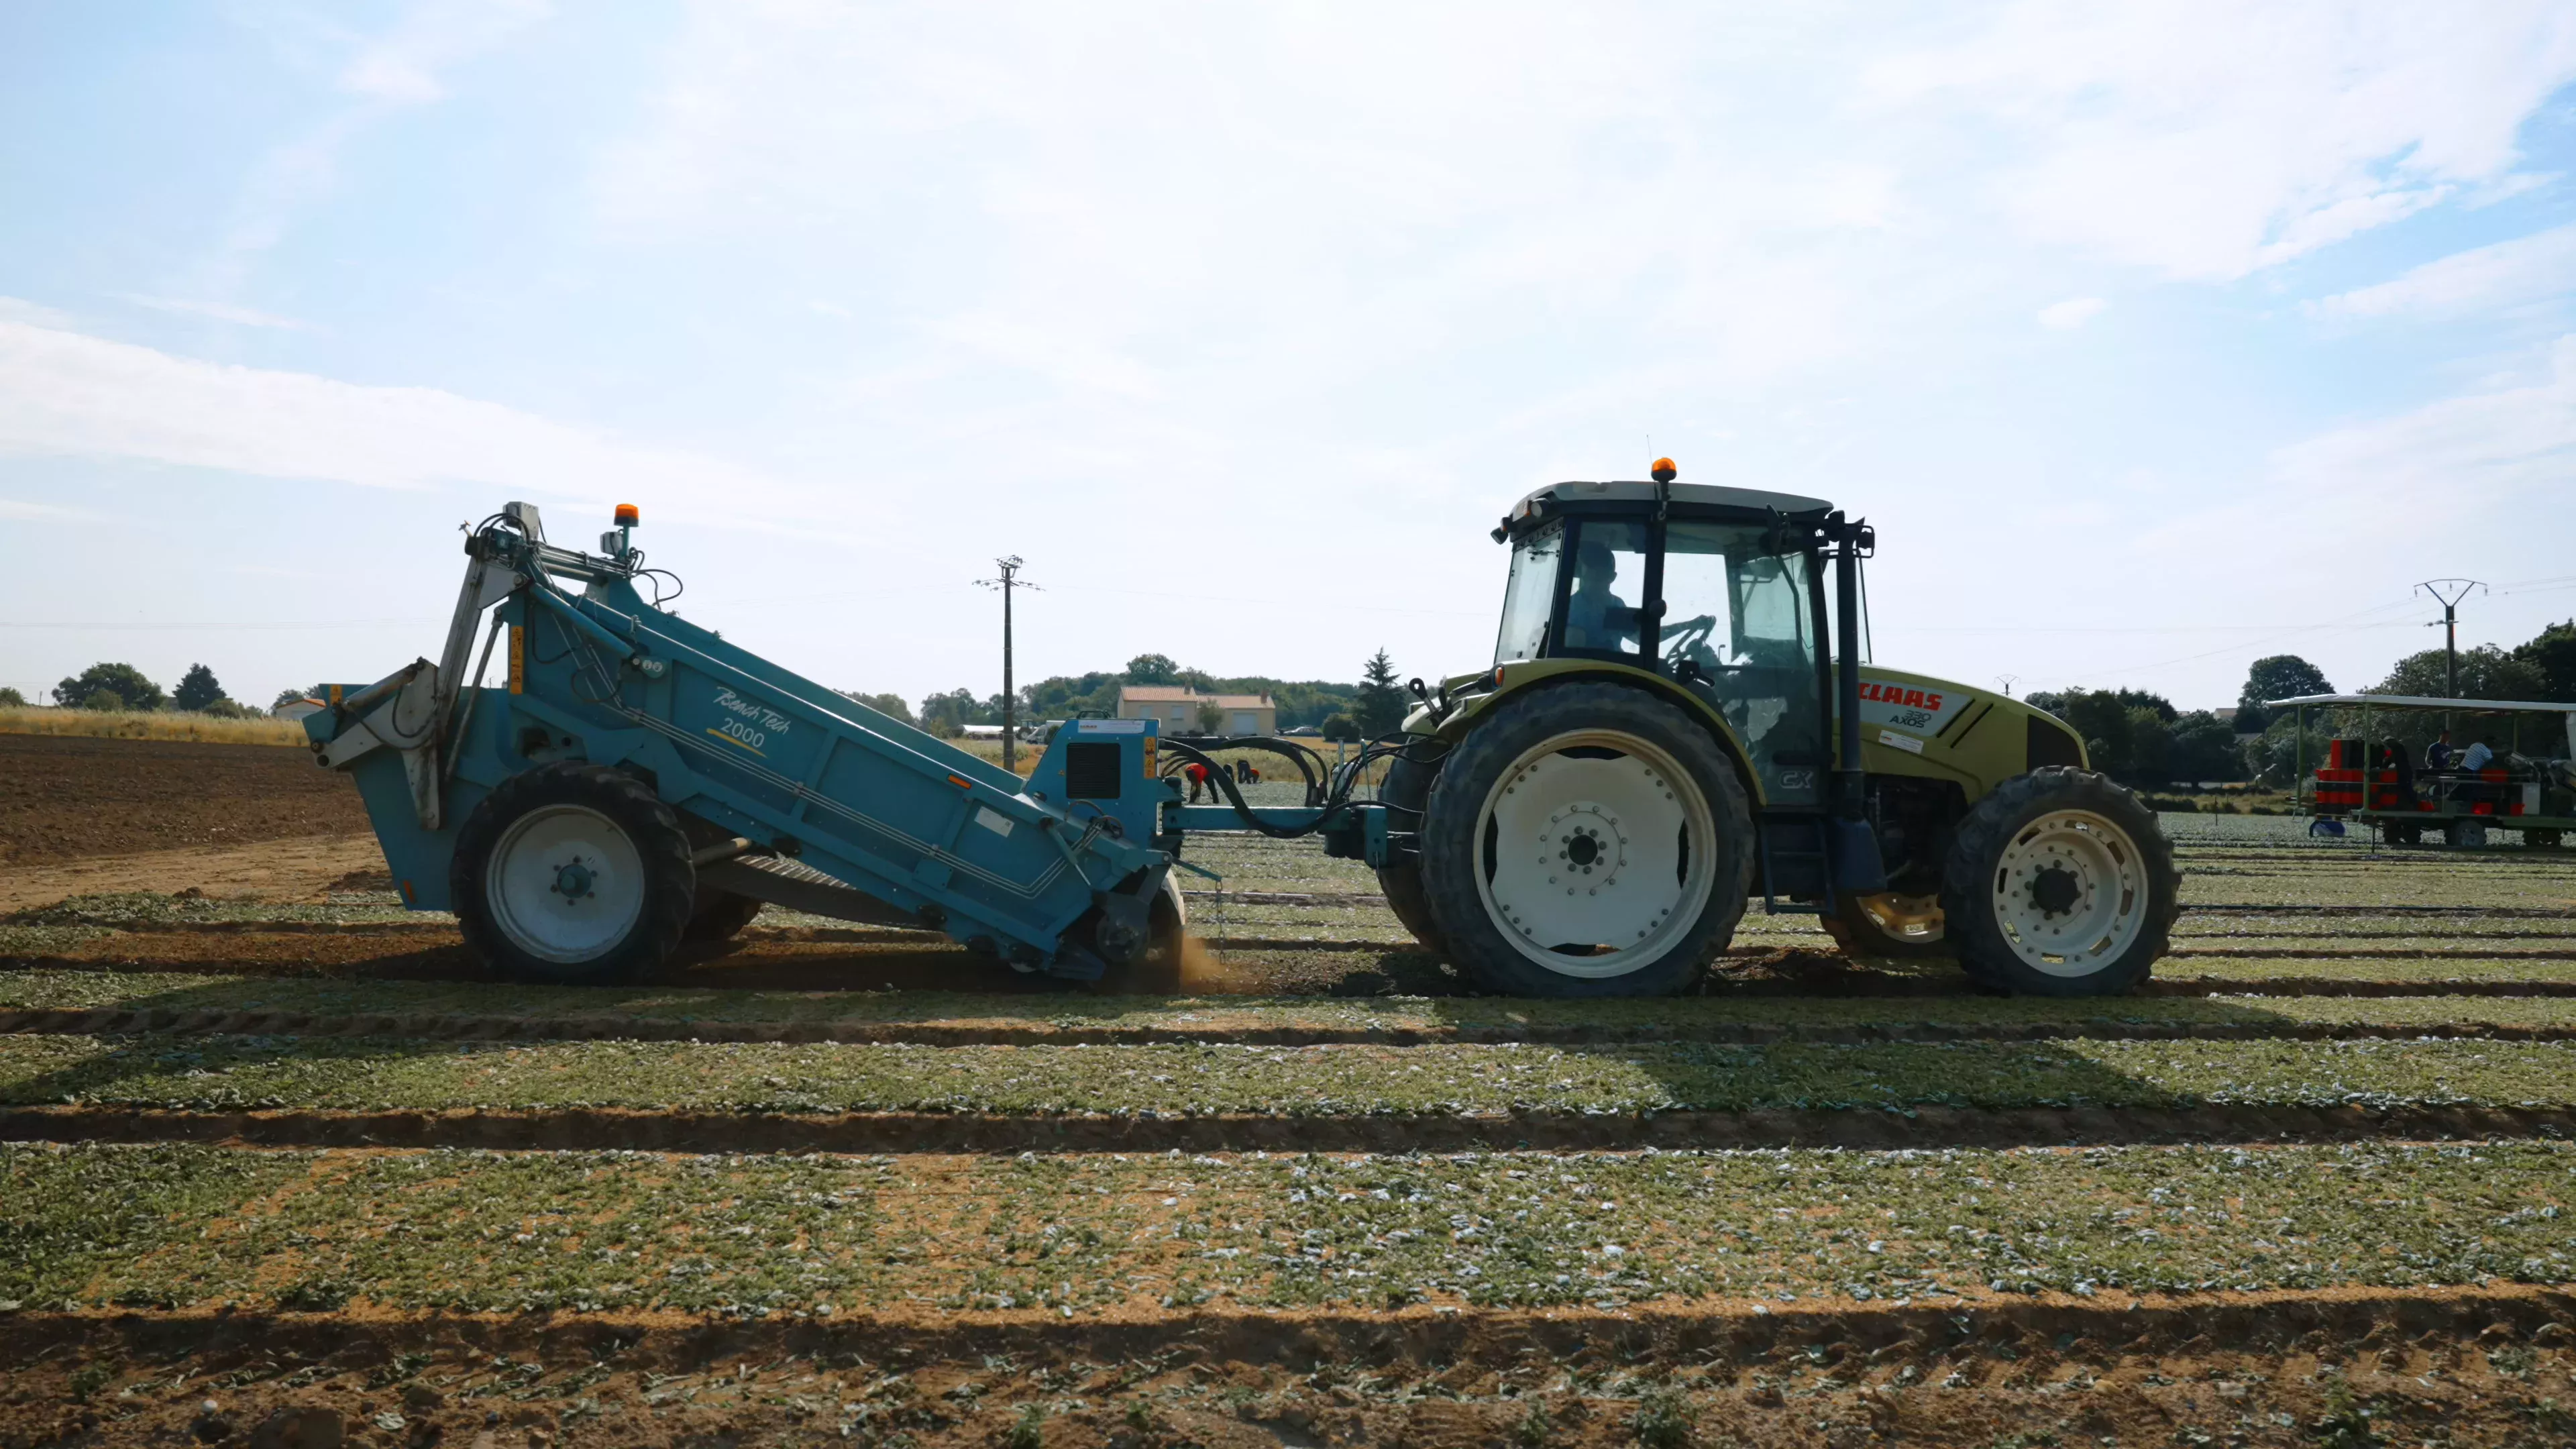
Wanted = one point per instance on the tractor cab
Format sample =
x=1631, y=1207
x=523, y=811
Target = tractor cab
x=1721, y=590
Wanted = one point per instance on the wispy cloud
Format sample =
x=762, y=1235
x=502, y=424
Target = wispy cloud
x=402, y=65
x=69, y=394
x=33, y=314
x=2070, y=314
x=26, y=511
x=2209, y=139
x=2507, y=274
x=2484, y=455
x=386, y=73
x=219, y=311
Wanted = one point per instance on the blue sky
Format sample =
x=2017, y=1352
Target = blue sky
x=2153, y=338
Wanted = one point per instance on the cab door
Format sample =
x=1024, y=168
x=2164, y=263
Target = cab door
x=1739, y=628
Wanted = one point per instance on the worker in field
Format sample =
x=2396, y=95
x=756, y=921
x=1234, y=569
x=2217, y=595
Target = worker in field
x=2396, y=761
x=2437, y=755
x=1198, y=774
x=2480, y=755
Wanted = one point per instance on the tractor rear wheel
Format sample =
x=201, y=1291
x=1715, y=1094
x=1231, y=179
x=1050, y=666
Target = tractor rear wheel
x=573, y=873
x=1408, y=784
x=1586, y=840
x=2060, y=883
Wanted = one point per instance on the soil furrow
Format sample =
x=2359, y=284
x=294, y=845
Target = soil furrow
x=444, y=1027
x=608, y=1129
x=1885, y=1335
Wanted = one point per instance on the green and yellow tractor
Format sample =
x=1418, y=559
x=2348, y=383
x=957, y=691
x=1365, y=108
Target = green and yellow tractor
x=1680, y=717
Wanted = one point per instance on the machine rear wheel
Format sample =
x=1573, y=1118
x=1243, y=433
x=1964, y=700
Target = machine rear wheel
x=1586, y=840
x=2060, y=884
x=573, y=873
x=1888, y=925
x=1408, y=785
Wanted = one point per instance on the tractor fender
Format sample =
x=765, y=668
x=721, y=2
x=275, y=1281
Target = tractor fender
x=1469, y=698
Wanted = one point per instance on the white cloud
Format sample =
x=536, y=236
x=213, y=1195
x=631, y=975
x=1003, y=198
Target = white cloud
x=64, y=393
x=219, y=311
x=2488, y=278
x=2210, y=138
x=2070, y=314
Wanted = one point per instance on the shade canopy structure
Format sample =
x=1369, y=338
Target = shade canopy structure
x=2418, y=701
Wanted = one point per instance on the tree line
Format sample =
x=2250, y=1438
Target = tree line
x=1373, y=706
x=2139, y=738
x=122, y=687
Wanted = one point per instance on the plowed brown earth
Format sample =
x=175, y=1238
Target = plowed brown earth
x=63, y=798
x=2468, y=1368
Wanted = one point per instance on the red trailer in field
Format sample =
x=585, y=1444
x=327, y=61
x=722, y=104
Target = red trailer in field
x=2373, y=773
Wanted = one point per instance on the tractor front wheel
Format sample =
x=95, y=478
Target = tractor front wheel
x=2060, y=883
x=1586, y=840
x=573, y=873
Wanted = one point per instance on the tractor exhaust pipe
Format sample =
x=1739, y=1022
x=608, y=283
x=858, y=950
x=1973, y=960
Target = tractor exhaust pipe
x=1855, y=864
x=1848, y=791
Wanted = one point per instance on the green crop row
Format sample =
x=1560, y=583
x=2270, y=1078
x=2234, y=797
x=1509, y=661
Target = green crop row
x=358, y=1074
x=167, y=1226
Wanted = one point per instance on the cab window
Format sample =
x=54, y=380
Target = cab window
x=1530, y=595
x=1602, y=607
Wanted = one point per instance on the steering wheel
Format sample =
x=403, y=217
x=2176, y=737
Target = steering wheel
x=1687, y=653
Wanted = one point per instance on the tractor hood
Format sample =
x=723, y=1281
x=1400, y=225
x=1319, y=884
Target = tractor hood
x=1913, y=724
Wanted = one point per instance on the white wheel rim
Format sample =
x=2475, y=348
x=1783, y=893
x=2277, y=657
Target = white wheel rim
x=2071, y=893
x=565, y=883
x=1588, y=854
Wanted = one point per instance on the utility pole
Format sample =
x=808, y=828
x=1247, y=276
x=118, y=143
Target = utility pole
x=2008, y=681
x=2450, y=592
x=1009, y=580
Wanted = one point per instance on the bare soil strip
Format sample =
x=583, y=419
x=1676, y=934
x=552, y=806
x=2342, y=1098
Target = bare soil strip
x=1881, y=1334
x=300, y=869
x=2471, y=1368
x=64, y=798
x=854, y=1133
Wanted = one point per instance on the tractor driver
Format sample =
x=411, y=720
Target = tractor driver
x=1596, y=618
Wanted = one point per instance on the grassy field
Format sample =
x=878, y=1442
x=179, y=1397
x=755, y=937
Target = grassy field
x=1471, y=1080
x=149, y=725
x=189, y=1227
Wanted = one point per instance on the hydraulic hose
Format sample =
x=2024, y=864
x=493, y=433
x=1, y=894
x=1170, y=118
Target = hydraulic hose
x=1338, y=802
